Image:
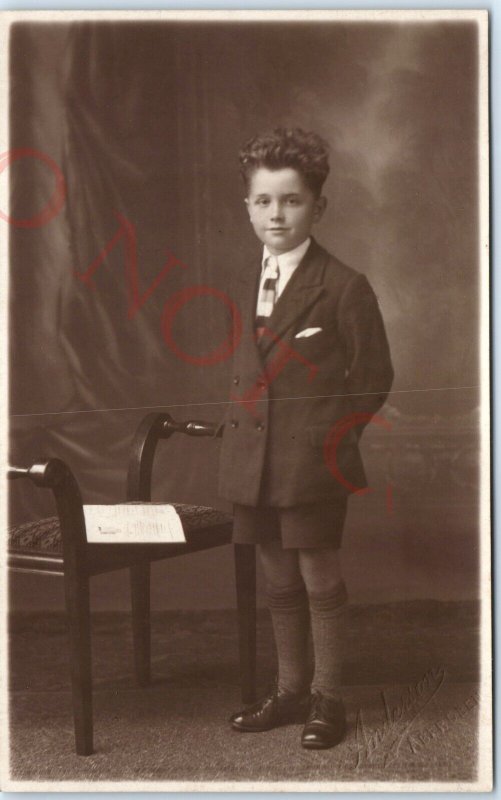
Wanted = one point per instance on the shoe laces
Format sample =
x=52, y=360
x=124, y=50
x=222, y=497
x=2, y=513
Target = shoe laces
x=322, y=706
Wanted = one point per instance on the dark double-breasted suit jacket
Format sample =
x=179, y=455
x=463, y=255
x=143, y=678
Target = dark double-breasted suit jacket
x=288, y=393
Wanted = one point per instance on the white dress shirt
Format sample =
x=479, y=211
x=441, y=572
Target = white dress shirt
x=287, y=265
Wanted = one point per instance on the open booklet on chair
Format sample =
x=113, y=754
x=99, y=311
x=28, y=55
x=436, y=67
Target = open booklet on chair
x=133, y=522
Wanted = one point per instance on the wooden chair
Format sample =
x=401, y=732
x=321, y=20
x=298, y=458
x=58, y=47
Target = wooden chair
x=58, y=546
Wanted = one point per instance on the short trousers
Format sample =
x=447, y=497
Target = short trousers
x=308, y=525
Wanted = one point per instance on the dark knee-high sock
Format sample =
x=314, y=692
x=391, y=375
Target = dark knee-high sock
x=290, y=617
x=328, y=627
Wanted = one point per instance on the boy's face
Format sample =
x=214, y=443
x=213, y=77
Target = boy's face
x=282, y=209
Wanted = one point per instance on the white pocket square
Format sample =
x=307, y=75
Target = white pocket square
x=307, y=332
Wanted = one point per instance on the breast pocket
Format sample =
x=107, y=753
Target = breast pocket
x=317, y=342
x=323, y=349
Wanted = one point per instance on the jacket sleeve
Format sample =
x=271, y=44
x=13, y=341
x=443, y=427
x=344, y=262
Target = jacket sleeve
x=369, y=371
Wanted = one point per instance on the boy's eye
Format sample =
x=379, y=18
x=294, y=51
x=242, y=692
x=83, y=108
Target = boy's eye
x=262, y=201
x=293, y=201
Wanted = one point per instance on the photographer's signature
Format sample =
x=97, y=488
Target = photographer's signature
x=382, y=744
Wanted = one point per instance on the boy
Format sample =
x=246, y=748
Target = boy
x=313, y=354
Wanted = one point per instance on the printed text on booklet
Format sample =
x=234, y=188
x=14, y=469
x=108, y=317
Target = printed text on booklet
x=130, y=522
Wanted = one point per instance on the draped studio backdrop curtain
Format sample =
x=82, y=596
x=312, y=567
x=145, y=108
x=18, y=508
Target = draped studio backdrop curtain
x=145, y=121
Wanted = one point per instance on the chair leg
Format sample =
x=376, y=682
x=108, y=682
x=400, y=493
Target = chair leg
x=245, y=572
x=78, y=612
x=141, y=629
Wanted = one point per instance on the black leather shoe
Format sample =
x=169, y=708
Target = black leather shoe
x=326, y=723
x=275, y=709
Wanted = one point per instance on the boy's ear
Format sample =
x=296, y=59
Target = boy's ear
x=246, y=201
x=320, y=206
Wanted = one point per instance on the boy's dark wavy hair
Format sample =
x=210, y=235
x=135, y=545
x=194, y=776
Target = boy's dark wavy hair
x=304, y=151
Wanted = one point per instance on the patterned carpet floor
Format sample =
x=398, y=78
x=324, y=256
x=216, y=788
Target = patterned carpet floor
x=417, y=662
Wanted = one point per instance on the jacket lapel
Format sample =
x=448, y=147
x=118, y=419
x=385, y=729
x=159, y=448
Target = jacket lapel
x=302, y=291
x=248, y=289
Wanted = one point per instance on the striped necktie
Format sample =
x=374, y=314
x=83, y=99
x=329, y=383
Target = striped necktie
x=268, y=294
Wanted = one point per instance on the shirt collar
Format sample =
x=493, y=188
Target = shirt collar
x=291, y=258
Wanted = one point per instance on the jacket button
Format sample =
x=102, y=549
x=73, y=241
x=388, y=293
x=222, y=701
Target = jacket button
x=234, y=423
x=236, y=380
x=260, y=426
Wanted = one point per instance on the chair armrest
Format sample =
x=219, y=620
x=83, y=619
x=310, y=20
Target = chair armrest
x=151, y=429
x=46, y=474
x=54, y=474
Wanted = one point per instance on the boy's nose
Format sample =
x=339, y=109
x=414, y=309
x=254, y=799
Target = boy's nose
x=276, y=212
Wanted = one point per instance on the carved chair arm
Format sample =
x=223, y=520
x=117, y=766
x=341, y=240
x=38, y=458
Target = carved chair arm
x=151, y=429
x=54, y=474
x=47, y=474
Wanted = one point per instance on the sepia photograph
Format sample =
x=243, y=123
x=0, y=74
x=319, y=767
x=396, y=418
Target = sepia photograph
x=246, y=409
